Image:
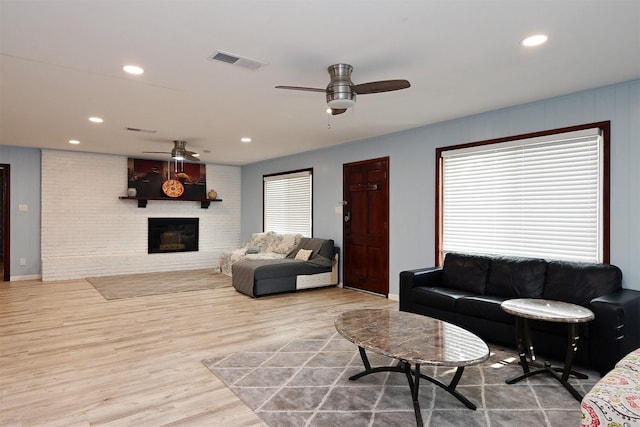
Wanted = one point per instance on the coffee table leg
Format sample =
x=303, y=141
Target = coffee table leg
x=413, y=377
x=369, y=370
x=414, y=385
x=572, y=347
x=365, y=359
x=451, y=387
x=523, y=340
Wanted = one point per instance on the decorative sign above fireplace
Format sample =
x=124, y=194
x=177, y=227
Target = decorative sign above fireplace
x=153, y=179
x=173, y=235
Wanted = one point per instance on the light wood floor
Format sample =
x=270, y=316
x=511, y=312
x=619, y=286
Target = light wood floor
x=70, y=358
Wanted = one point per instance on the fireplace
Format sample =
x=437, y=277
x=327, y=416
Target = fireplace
x=173, y=235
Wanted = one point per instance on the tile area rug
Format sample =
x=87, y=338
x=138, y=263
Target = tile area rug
x=304, y=382
x=137, y=285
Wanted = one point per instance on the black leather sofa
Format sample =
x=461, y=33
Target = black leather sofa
x=468, y=289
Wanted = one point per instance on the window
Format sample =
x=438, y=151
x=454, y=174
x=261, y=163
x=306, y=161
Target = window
x=539, y=195
x=288, y=202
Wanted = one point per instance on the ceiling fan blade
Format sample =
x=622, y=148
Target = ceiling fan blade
x=192, y=158
x=336, y=111
x=381, y=86
x=308, y=89
x=157, y=152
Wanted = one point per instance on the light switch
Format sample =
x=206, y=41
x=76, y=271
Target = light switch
x=23, y=208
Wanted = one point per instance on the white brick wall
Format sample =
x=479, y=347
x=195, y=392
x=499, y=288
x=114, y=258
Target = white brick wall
x=88, y=231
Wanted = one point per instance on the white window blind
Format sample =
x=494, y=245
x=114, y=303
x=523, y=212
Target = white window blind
x=287, y=202
x=538, y=197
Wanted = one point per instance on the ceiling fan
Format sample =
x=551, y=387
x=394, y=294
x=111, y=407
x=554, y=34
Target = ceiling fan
x=179, y=152
x=341, y=92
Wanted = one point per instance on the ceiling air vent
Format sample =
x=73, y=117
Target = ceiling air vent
x=240, y=61
x=141, y=130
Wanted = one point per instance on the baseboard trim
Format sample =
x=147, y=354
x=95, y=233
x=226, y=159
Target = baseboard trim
x=24, y=278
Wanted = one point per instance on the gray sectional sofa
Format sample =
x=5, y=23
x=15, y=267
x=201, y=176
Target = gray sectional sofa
x=259, y=277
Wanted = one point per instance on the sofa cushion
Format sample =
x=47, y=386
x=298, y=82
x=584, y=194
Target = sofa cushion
x=465, y=272
x=322, y=247
x=630, y=361
x=484, y=307
x=579, y=283
x=327, y=249
x=441, y=298
x=614, y=400
x=516, y=277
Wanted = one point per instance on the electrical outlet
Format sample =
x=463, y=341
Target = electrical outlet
x=23, y=208
x=23, y=261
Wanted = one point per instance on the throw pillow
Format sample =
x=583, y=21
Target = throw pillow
x=253, y=250
x=303, y=254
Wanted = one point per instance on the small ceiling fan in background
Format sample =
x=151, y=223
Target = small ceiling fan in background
x=341, y=92
x=179, y=152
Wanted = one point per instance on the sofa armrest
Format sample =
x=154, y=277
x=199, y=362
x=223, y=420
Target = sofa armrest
x=615, y=329
x=410, y=279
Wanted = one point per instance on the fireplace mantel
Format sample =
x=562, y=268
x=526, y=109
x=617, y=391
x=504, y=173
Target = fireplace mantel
x=142, y=201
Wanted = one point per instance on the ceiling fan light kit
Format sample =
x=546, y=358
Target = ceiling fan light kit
x=341, y=100
x=341, y=92
x=177, y=154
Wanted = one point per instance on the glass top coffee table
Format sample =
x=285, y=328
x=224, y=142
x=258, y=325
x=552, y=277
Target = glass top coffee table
x=415, y=340
x=550, y=311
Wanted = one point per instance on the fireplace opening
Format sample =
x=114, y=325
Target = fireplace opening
x=173, y=235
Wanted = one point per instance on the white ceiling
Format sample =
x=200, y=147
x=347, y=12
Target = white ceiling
x=61, y=62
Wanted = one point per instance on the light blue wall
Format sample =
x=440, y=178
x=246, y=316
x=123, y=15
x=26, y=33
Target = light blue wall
x=412, y=173
x=25, y=226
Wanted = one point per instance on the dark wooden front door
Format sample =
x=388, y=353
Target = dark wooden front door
x=366, y=225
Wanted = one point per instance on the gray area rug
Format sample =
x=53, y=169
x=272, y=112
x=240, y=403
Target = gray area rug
x=305, y=382
x=138, y=285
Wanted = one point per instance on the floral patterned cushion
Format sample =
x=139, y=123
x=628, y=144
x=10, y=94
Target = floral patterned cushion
x=261, y=240
x=631, y=361
x=615, y=400
x=284, y=243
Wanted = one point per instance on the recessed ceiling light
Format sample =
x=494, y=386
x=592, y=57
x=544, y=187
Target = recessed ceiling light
x=133, y=69
x=245, y=139
x=536, y=40
x=74, y=141
x=95, y=120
